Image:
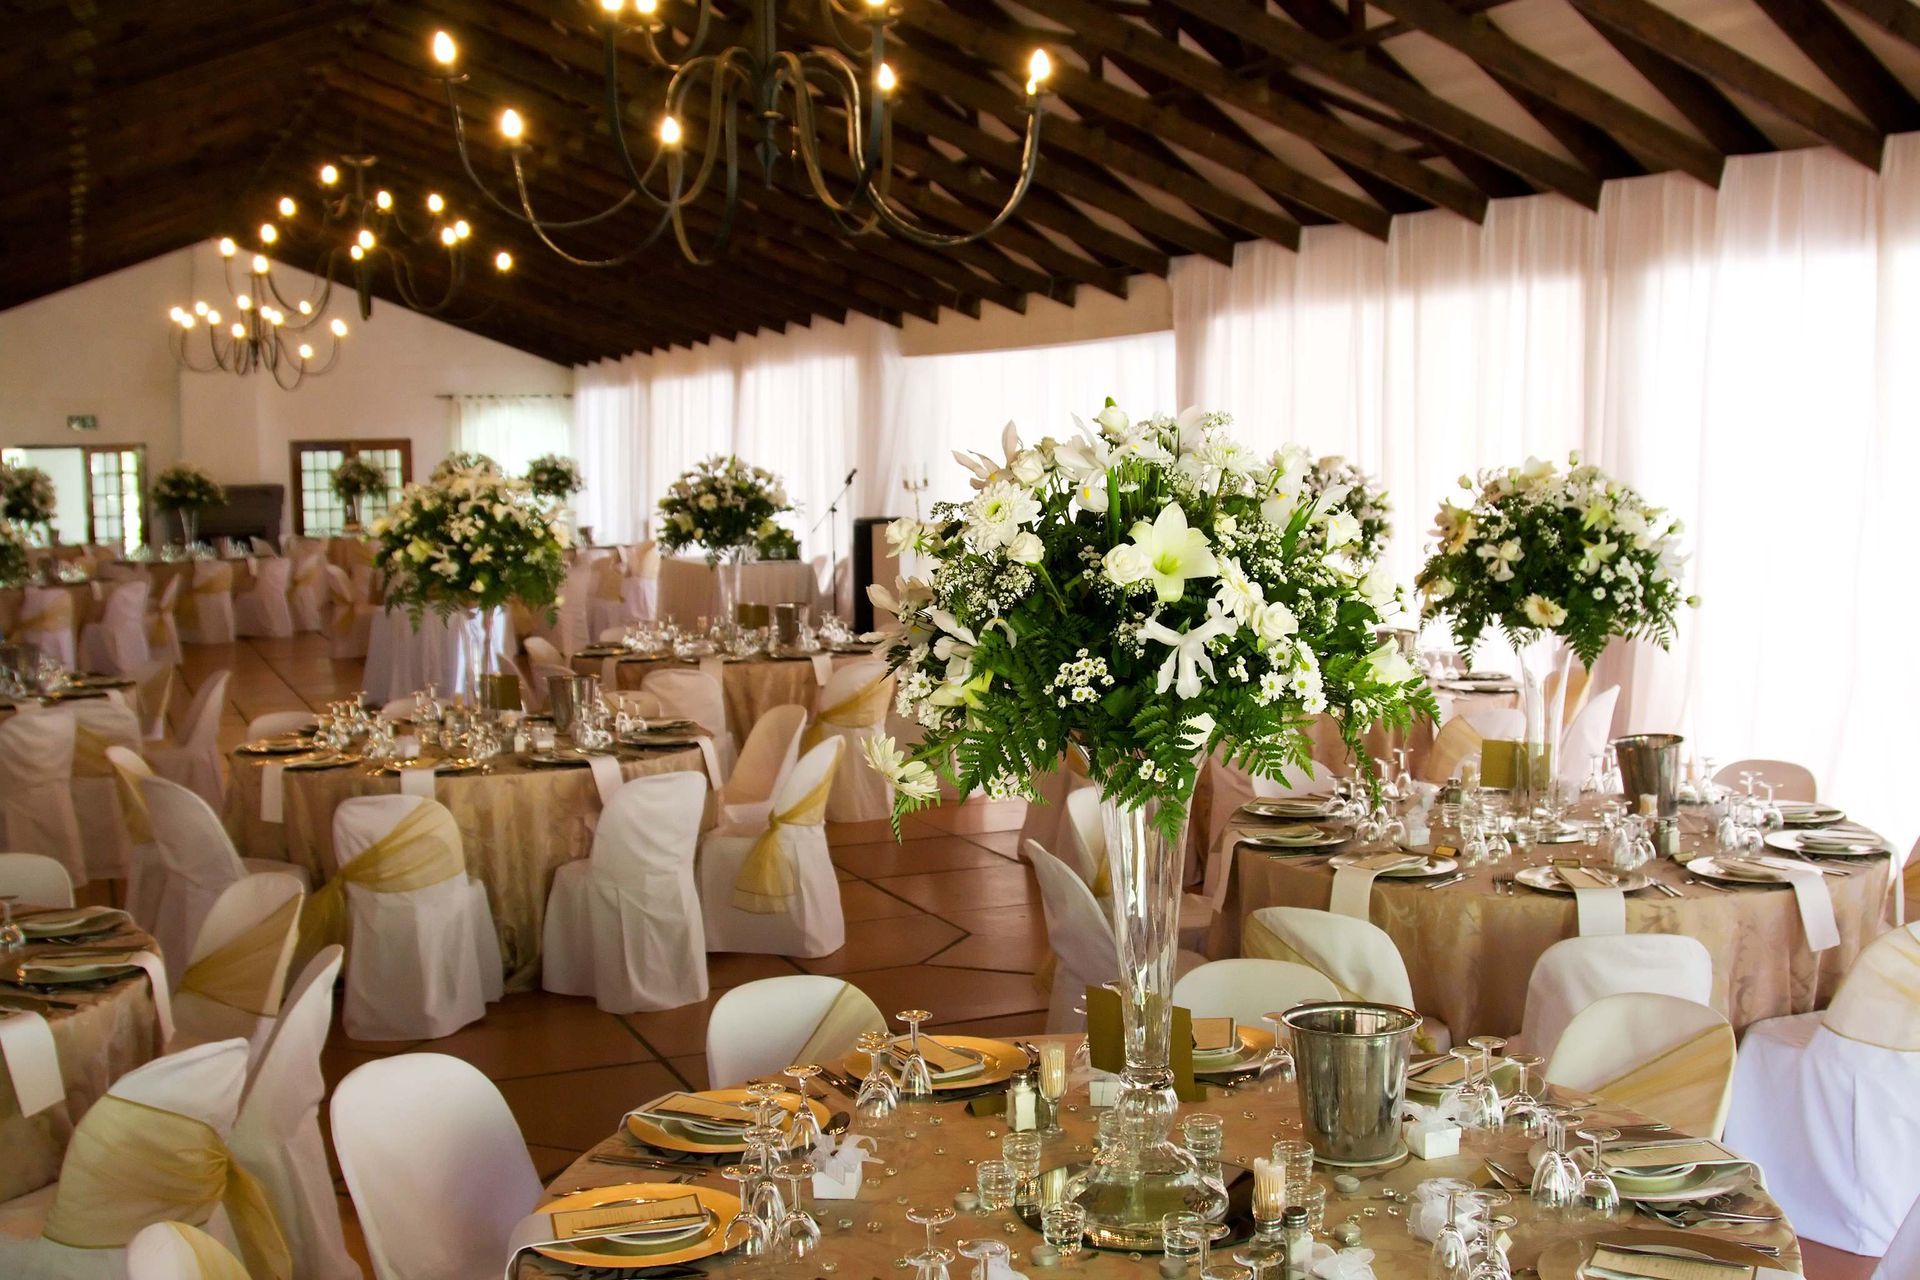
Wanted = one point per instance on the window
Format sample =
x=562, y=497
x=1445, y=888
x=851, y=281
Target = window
x=99, y=490
x=319, y=512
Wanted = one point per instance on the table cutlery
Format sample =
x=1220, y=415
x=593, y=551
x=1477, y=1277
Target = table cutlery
x=1443, y=883
x=1703, y=884
x=33, y=1003
x=1667, y=889
x=1504, y=1176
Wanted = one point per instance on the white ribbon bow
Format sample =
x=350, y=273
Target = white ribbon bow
x=1347, y=1264
x=841, y=1158
x=1181, y=671
x=1429, y=1212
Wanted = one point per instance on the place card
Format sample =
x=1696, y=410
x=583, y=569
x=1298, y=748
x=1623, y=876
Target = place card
x=1214, y=1035
x=1105, y=1051
x=651, y=1217
x=942, y=1059
x=1662, y=1155
x=707, y=1110
x=1610, y=1263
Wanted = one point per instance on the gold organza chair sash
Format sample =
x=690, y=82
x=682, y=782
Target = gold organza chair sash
x=56, y=613
x=864, y=708
x=766, y=878
x=217, y=582
x=157, y=619
x=345, y=611
x=133, y=807
x=307, y=569
x=1879, y=1003
x=1259, y=941
x=90, y=753
x=849, y=1016
x=423, y=849
x=130, y=1165
x=607, y=582
x=1684, y=1086
x=250, y=972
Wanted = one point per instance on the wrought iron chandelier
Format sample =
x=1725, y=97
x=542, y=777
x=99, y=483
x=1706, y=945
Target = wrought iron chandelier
x=269, y=328
x=781, y=101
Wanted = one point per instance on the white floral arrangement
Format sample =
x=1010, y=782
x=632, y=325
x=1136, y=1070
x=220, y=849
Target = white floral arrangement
x=185, y=487
x=468, y=539
x=27, y=496
x=721, y=504
x=357, y=476
x=1538, y=551
x=462, y=460
x=552, y=475
x=1356, y=501
x=14, y=569
x=1148, y=591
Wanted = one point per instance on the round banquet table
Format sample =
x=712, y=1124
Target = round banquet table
x=929, y=1153
x=1470, y=951
x=517, y=825
x=689, y=589
x=751, y=687
x=114, y=1029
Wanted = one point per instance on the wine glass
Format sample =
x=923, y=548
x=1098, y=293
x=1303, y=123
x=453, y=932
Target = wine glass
x=1489, y=1260
x=759, y=1240
x=799, y=1237
x=1556, y=1179
x=916, y=1080
x=1276, y=1069
x=804, y=1130
x=931, y=1261
x=878, y=1094
x=1523, y=1108
x=1598, y=1194
x=1447, y=1259
x=984, y=1253
x=1490, y=1047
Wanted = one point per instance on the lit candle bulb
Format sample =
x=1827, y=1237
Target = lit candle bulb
x=512, y=127
x=445, y=51
x=503, y=261
x=287, y=206
x=328, y=175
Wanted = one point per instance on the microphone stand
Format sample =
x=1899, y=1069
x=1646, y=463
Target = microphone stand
x=833, y=540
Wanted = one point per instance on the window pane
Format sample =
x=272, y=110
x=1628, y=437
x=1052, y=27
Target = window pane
x=321, y=513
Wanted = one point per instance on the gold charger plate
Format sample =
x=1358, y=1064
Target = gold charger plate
x=1000, y=1058
x=656, y=1135
x=623, y=1254
x=1254, y=1044
x=1563, y=1259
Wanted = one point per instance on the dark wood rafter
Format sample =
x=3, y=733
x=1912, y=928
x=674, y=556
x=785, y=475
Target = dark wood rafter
x=1844, y=58
x=1895, y=17
x=1696, y=97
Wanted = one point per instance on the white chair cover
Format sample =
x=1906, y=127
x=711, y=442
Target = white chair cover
x=101, y=723
x=1047, y=821
x=263, y=610
x=163, y=627
x=436, y=1166
x=1316, y=780
x=271, y=724
x=811, y=924
x=261, y=547
x=1903, y=1254
x=198, y=862
x=1089, y=845
x=571, y=626
x=690, y=694
x=1575, y=972
x=204, y=1083
x=445, y=650
x=277, y=1135
x=208, y=617
x=853, y=705
x=1668, y=1058
x=1086, y=836
x=420, y=964
x=1587, y=736
x=47, y=622
x=194, y=760
x=1829, y=1105
x=765, y=761
x=116, y=641
x=251, y=922
x=176, y=1251
x=349, y=619
x=623, y=925
x=1790, y=781
x=36, y=796
x=307, y=590
x=1079, y=935
x=1357, y=956
x=542, y=653
x=153, y=683
x=607, y=609
x=36, y=879
x=1248, y=990
x=757, y=1028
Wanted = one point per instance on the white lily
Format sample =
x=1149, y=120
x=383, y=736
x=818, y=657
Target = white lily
x=1389, y=665
x=1189, y=657
x=1500, y=558
x=1175, y=552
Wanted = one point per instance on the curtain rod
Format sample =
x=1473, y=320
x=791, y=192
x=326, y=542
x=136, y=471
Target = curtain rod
x=536, y=395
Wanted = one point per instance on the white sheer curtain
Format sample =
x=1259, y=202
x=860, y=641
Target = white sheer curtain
x=512, y=430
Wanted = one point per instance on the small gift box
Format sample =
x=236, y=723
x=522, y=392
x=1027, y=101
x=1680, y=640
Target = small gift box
x=837, y=1167
x=1430, y=1132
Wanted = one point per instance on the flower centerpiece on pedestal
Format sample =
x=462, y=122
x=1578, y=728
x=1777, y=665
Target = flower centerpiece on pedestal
x=1561, y=562
x=775, y=541
x=1147, y=592
x=1356, y=507
x=27, y=498
x=553, y=476
x=14, y=569
x=721, y=506
x=187, y=490
x=353, y=480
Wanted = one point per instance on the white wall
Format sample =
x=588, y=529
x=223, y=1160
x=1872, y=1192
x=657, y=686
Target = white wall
x=102, y=348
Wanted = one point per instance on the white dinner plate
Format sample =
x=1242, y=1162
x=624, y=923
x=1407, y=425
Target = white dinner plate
x=1432, y=868
x=1300, y=838
x=1827, y=844
x=1801, y=813
x=1709, y=868
x=1702, y=1182
x=1547, y=880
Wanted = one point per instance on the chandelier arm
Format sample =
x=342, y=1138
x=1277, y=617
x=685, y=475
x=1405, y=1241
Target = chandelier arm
x=318, y=301
x=903, y=225
x=831, y=14
x=540, y=230
x=466, y=163
x=806, y=133
x=731, y=141
x=617, y=129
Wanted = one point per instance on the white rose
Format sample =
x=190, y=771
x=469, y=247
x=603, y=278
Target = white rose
x=1379, y=586
x=1127, y=564
x=1342, y=528
x=1026, y=548
x=1029, y=468
x=1113, y=418
x=1275, y=622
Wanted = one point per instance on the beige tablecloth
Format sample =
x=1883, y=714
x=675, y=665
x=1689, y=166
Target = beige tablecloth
x=114, y=1030
x=863, y=1237
x=689, y=589
x=1470, y=951
x=517, y=824
x=751, y=687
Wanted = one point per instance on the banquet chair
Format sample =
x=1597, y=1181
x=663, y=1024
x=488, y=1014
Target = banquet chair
x=436, y=1166
x=691, y=694
x=1575, y=972
x=1667, y=1058
x=271, y=724
x=98, y=724
x=237, y=972
x=222, y=546
x=542, y=675
x=1079, y=936
x=46, y=622
x=623, y=924
x=1357, y=956
x=643, y=580
x=1902, y=1260
x=36, y=788
x=116, y=641
x=350, y=623
x=773, y=890
x=163, y=627
x=1315, y=781
x=153, y=689
x=771, y=748
x=1047, y=821
x=542, y=653
x=568, y=627
x=1248, y=990
x=146, y=868
x=423, y=959
x=1090, y=852
x=193, y=759
x=307, y=589
x=206, y=610
x=261, y=547
x=757, y=1028
x=1456, y=741
x=198, y=862
x=1789, y=781
x=277, y=1134
x=152, y=1149
x=1586, y=738
x=36, y=879
x=176, y=1251
x=1829, y=1103
x=263, y=610
x=853, y=705
x=607, y=609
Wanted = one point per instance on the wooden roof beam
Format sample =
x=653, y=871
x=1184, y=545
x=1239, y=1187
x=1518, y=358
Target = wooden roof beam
x=1846, y=60
x=1895, y=17
x=1693, y=95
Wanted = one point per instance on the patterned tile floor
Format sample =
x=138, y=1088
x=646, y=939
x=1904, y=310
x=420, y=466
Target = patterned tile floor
x=948, y=920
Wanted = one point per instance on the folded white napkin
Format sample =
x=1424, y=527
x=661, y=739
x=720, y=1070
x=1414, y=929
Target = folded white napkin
x=607, y=777
x=1344, y=1264
x=1810, y=890
x=26, y=1043
x=715, y=667
x=712, y=758
x=1600, y=909
x=822, y=667
x=273, y=790
x=418, y=782
x=1352, y=893
x=1428, y=1212
x=162, y=997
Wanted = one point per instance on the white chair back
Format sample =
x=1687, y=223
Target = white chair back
x=200, y=727
x=48, y=621
x=1574, y=973
x=807, y=773
x=192, y=840
x=1089, y=843
x=1902, y=1260
x=436, y=1166
x=126, y=603
x=758, y=1027
x=1357, y=956
x=36, y=798
x=241, y=906
x=1078, y=930
x=848, y=679
x=1587, y=736
x=261, y=547
x=1876, y=1004
x=1669, y=1058
x=1507, y=724
x=1317, y=779
x=274, y=723
x=543, y=653
x=1789, y=781
x=651, y=829
x=766, y=758
x=263, y=610
x=689, y=694
x=153, y=682
x=176, y=1251
x=36, y=879
x=99, y=725
x=1248, y=990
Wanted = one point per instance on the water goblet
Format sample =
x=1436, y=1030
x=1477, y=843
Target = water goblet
x=1598, y=1195
x=1556, y=1179
x=916, y=1080
x=1182, y=1235
x=804, y=1131
x=878, y=1094
x=1021, y=1151
x=1064, y=1226
x=995, y=1184
x=931, y=1261
x=1276, y=1068
x=984, y=1253
x=758, y=1243
x=799, y=1236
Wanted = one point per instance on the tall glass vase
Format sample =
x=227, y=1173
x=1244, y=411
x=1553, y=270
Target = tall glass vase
x=1149, y=1175
x=189, y=526
x=726, y=573
x=1545, y=664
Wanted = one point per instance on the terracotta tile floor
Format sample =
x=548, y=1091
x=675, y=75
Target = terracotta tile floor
x=948, y=920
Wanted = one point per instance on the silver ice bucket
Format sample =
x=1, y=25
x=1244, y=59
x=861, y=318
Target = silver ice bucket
x=566, y=695
x=1351, y=1064
x=1650, y=766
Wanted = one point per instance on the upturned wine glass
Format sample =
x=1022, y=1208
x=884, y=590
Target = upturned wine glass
x=804, y=1130
x=931, y=1262
x=799, y=1233
x=1598, y=1194
x=916, y=1079
x=1556, y=1179
x=879, y=1095
x=1276, y=1068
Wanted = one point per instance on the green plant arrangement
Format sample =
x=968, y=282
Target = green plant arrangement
x=774, y=541
x=13, y=556
x=470, y=539
x=185, y=487
x=353, y=480
x=720, y=506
